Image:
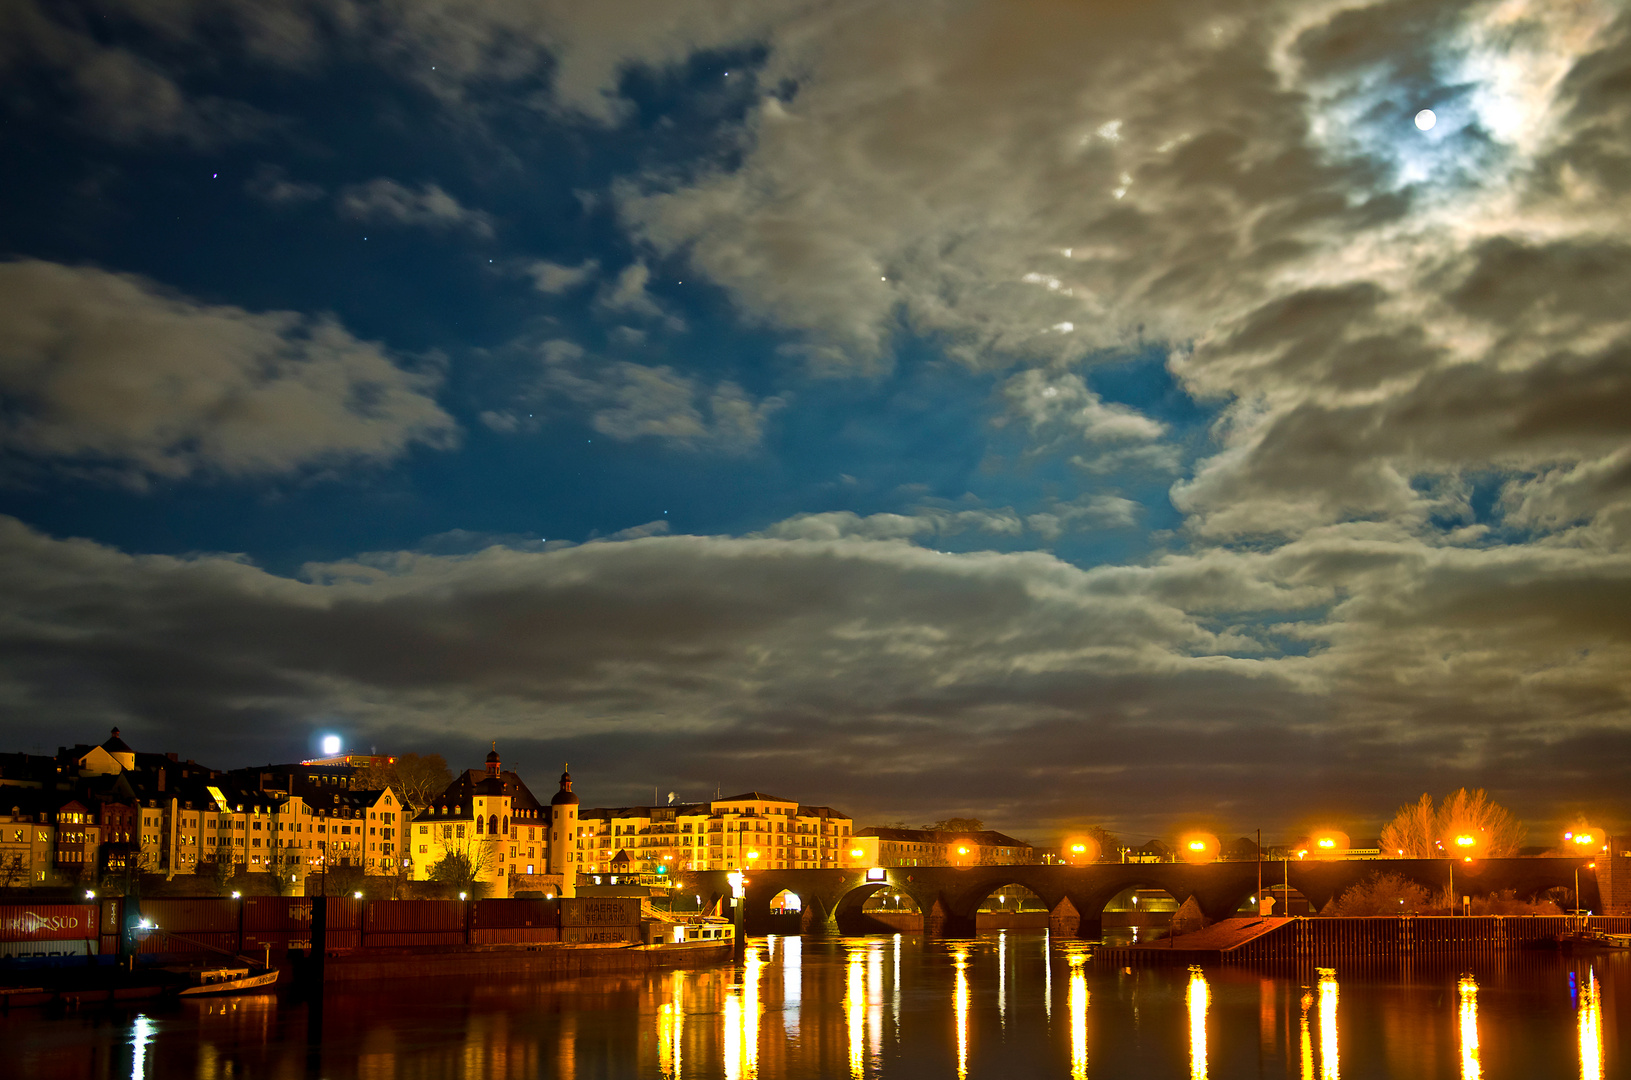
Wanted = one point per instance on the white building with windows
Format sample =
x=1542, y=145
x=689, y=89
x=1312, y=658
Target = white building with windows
x=743, y=832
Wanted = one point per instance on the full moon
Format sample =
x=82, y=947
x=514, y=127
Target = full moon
x=1426, y=119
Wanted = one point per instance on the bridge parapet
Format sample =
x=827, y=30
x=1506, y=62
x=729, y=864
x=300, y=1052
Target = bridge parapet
x=948, y=897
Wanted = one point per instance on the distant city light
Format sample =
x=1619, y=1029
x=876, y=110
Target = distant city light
x=331, y=745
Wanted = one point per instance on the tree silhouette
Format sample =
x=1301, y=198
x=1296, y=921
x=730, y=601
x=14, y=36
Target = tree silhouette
x=1418, y=831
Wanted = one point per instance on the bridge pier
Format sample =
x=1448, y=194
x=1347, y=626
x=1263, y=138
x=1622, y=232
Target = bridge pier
x=817, y=920
x=1067, y=921
x=941, y=922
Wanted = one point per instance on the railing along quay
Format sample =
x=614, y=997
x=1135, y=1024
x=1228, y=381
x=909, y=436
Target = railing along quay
x=1417, y=936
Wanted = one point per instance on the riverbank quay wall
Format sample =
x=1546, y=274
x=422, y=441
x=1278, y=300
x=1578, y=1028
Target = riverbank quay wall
x=1381, y=939
x=948, y=898
x=272, y=928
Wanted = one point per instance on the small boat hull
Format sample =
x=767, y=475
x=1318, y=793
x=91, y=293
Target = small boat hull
x=265, y=980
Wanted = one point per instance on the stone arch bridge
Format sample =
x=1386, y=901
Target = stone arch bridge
x=948, y=897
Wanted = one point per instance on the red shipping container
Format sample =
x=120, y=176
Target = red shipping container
x=397, y=940
x=515, y=935
x=203, y=944
x=343, y=939
x=214, y=915
x=495, y=914
x=48, y=922
x=419, y=916
x=283, y=913
x=344, y=913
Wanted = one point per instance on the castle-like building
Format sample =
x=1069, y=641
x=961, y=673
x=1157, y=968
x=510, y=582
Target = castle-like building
x=511, y=841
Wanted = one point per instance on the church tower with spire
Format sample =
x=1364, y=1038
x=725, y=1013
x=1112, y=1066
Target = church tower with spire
x=563, y=835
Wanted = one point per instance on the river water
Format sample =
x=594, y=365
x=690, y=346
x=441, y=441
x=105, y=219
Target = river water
x=1006, y=1006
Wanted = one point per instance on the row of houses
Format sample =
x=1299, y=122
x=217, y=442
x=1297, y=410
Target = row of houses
x=95, y=810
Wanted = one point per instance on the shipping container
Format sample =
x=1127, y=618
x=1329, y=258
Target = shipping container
x=586, y=911
x=343, y=939
x=284, y=913
x=279, y=941
x=48, y=922
x=344, y=913
x=151, y=942
x=499, y=914
x=212, y=915
x=599, y=935
x=416, y=916
x=405, y=940
x=516, y=935
x=33, y=950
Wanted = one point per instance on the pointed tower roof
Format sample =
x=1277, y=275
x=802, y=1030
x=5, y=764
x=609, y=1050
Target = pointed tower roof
x=565, y=796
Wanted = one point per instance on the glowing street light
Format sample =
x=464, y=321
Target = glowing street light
x=1199, y=848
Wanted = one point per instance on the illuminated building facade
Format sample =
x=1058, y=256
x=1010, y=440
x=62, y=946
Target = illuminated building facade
x=932, y=847
x=491, y=818
x=747, y=831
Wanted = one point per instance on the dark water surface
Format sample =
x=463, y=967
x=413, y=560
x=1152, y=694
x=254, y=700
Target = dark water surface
x=1002, y=1006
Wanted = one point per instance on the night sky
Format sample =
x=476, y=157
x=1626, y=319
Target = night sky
x=1126, y=413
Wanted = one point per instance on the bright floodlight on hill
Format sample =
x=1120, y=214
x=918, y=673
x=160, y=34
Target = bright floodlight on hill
x=331, y=745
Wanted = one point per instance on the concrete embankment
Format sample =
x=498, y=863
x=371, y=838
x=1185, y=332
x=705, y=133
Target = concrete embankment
x=1381, y=938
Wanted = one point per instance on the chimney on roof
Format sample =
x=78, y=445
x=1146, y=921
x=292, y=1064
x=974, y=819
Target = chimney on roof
x=172, y=756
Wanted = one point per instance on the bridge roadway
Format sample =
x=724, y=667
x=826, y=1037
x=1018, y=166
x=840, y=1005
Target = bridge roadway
x=948, y=896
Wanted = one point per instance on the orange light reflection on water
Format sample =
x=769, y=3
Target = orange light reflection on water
x=961, y=957
x=1078, y=1018
x=1590, y=1023
x=1199, y=997
x=1471, y=1067
x=1330, y=1059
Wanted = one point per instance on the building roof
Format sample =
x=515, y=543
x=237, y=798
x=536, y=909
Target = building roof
x=473, y=782
x=116, y=745
x=756, y=796
x=984, y=838
x=822, y=811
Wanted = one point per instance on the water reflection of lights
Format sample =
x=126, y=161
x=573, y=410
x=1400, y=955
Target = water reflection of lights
x=140, y=1035
x=733, y=1036
x=671, y=1028
x=1471, y=1069
x=1047, y=973
x=1591, y=1028
x=1002, y=978
x=855, y=1012
x=792, y=981
x=1307, y=1043
x=752, y=968
x=1199, y=996
x=1078, y=1018
x=961, y=957
x=895, y=983
x=874, y=1000
x=1330, y=1062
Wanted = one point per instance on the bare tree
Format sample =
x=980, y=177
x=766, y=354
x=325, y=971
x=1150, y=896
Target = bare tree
x=958, y=824
x=12, y=871
x=463, y=862
x=1418, y=831
x=1411, y=833
x=416, y=780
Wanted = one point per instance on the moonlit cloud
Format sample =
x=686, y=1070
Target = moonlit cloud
x=109, y=372
x=384, y=199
